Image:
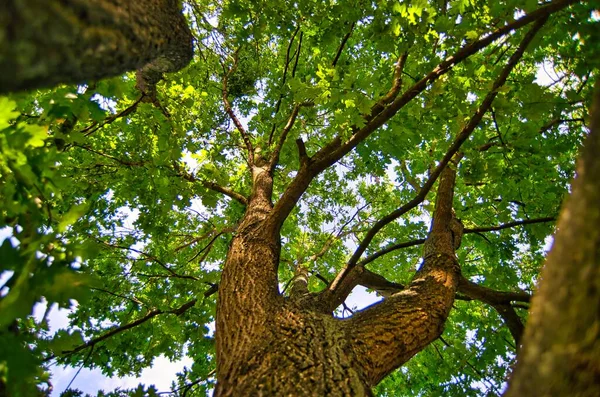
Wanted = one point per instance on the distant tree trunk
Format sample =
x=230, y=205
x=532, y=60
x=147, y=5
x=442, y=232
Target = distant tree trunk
x=270, y=345
x=561, y=346
x=43, y=43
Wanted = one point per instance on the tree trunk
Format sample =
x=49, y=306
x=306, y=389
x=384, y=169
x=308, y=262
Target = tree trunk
x=561, y=346
x=270, y=345
x=43, y=43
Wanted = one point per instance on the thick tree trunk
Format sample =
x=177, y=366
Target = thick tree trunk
x=301, y=353
x=43, y=43
x=561, y=346
x=269, y=345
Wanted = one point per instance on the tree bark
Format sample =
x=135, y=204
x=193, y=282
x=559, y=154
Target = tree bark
x=43, y=43
x=561, y=346
x=270, y=345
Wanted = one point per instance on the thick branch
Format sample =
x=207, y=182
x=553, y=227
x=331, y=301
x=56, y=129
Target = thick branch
x=490, y=296
x=386, y=335
x=378, y=283
x=460, y=139
x=512, y=320
x=226, y=191
x=499, y=300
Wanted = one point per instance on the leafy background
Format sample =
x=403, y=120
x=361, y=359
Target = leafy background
x=108, y=203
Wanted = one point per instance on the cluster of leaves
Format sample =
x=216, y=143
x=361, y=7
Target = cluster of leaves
x=94, y=181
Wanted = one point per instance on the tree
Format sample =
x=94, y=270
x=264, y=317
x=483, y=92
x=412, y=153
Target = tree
x=294, y=159
x=72, y=41
x=562, y=338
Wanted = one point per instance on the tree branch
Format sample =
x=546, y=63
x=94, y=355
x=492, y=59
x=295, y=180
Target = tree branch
x=292, y=119
x=122, y=162
x=211, y=185
x=125, y=112
x=204, y=236
x=117, y=330
x=552, y=123
x=460, y=139
x=226, y=191
x=231, y=113
x=489, y=295
x=412, y=243
x=342, y=45
x=283, y=79
x=499, y=300
x=510, y=224
x=391, y=248
x=396, y=85
x=331, y=153
x=150, y=257
x=337, y=148
x=387, y=334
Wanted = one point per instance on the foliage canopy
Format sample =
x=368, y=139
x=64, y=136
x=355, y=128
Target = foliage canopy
x=128, y=206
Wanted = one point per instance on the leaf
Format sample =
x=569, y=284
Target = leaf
x=7, y=112
x=63, y=341
x=11, y=257
x=37, y=134
x=72, y=216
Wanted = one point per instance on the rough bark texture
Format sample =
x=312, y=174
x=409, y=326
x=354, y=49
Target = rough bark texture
x=303, y=353
x=43, y=43
x=248, y=293
x=561, y=346
x=268, y=345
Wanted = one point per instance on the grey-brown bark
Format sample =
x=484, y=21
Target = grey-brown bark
x=43, y=43
x=561, y=347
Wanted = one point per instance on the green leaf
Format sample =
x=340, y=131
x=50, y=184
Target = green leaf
x=72, y=216
x=63, y=341
x=7, y=112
